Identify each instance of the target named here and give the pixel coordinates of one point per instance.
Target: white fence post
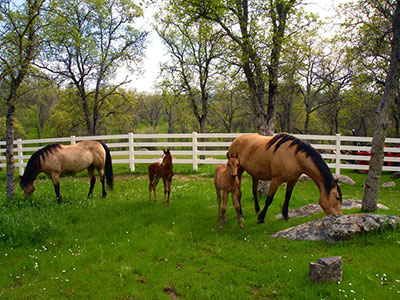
(194, 149)
(131, 152)
(73, 140)
(20, 157)
(337, 159)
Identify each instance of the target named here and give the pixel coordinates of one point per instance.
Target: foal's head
(233, 164)
(167, 158)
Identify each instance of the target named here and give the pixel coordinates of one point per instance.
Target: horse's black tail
(108, 168)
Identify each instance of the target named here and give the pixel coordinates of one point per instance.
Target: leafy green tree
(88, 42)
(19, 45)
(253, 27)
(194, 48)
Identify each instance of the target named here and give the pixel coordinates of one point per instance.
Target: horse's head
(331, 203)
(27, 186)
(233, 164)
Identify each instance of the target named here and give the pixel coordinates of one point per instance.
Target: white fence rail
(341, 152)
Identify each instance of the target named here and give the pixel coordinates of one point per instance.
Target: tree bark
(371, 190)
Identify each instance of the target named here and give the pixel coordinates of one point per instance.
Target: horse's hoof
(260, 221)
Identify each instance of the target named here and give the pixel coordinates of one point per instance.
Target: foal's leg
(165, 182)
(92, 180)
(222, 219)
(168, 188)
(289, 189)
(255, 194)
(56, 182)
(237, 207)
(218, 191)
(271, 193)
(154, 187)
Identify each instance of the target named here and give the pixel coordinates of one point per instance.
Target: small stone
(395, 175)
(345, 179)
(328, 269)
(389, 184)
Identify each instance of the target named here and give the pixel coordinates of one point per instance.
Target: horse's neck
(314, 173)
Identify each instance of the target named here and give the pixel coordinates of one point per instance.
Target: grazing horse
(226, 179)
(161, 170)
(283, 158)
(57, 159)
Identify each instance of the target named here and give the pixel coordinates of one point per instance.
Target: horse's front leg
(255, 194)
(285, 207)
(56, 182)
(271, 193)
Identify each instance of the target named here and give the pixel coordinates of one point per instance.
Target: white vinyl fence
(341, 152)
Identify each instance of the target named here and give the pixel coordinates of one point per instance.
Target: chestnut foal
(226, 179)
(161, 170)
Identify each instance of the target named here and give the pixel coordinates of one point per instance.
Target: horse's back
(263, 162)
(77, 157)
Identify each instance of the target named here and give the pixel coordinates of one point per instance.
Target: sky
(156, 52)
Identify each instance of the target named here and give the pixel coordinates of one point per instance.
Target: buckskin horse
(227, 181)
(283, 158)
(57, 159)
(162, 170)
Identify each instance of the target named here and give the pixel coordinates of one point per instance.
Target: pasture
(125, 247)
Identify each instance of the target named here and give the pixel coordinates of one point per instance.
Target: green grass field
(124, 247)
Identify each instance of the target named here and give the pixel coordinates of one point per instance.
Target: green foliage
(140, 249)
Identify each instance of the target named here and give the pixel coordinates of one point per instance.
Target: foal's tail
(108, 168)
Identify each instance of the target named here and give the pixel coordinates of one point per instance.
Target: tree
(88, 42)
(390, 10)
(244, 23)
(19, 46)
(194, 48)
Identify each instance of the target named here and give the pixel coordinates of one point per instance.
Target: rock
(315, 208)
(395, 175)
(263, 187)
(328, 269)
(389, 184)
(304, 178)
(344, 179)
(334, 228)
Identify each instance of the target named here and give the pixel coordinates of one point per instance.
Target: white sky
(156, 53)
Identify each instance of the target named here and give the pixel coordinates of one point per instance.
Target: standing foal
(226, 179)
(161, 170)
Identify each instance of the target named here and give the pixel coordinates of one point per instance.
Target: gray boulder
(334, 228)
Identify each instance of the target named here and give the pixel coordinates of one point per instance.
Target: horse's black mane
(33, 166)
(309, 151)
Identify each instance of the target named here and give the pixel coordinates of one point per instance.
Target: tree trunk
(371, 190)
(10, 185)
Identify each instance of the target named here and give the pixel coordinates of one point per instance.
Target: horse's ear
(227, 155)
(165, 152)
(335, 182)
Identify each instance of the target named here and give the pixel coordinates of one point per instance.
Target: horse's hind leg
(92, 180)
(271, 193)
(102, 180)
(285, 207)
